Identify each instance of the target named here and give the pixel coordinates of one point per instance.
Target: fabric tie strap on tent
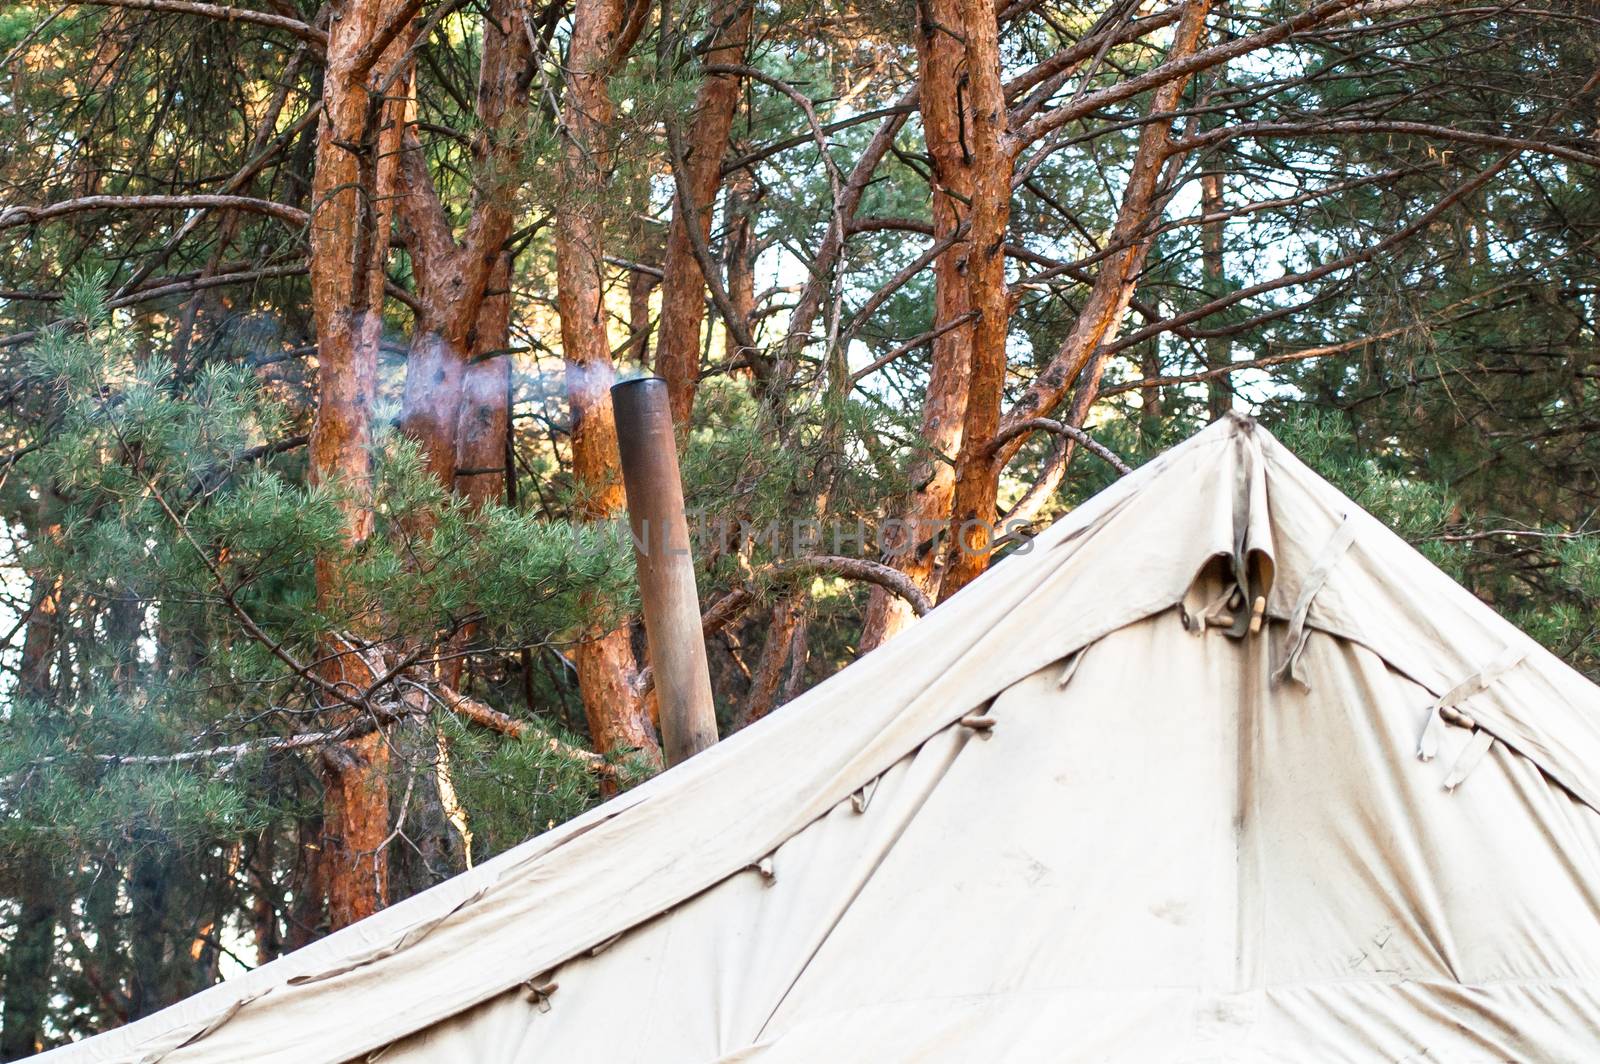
(157, 1050)
(1442, 710)
(1477, 747)
(1069, 667)
(410, 937)
(1294, 643)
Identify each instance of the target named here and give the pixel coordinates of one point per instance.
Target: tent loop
(540, 989)
(1294, 643)
(157, 1049)
(405, 940)
(1238, 602)
(861, 797)
(1217, 613)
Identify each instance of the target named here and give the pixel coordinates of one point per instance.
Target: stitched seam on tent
(866, 880)
(407, 938)
(1387, 984)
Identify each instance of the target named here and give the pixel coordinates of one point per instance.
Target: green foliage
(170, 505)
(1380, 483)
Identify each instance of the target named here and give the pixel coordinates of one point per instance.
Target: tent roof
(1350, 608)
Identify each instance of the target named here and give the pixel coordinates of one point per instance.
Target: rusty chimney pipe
(666, 567)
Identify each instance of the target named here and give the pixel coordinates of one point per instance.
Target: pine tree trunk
(973, 505)
(486, 395)
(947, 130)
(605, 663)
(147, 934)
(739, 260)
(457, 387)
(683, 285)
(1219, 389)
(767, 679)
(358, 143)
(482, 459)
(306, 915)
(454, 277)
(1213, 195)
(978, 470)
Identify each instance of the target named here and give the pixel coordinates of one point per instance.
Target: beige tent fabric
(1172, 857)
(1169, 859)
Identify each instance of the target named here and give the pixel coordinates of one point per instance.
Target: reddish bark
(456, 409)
(994, 153)
(357, 154)
(947, 130)
(978, 470)
(605, 664)
(683, 284)
(640, 284)
(739, 256)
(1103, 311)
(483, 454)
(767, 678)
(485, 415)
(453, 278)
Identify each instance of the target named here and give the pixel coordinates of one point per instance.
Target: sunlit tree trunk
(605, 663)
(482, 461)
(947, 131)
(455, 276)
(978, 470)
(683, 285)
(973, 505)
(483, 456)
(358, 144)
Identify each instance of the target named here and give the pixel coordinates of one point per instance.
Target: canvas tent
(1177, 840)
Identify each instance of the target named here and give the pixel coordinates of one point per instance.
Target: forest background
(310, 588)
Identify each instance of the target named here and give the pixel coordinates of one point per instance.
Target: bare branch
(1372, 128)
(911, 345)
(1091, 102)
(12, 217)
(486, 716)
(221, 11)
(861, 569)
(1089, 443)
